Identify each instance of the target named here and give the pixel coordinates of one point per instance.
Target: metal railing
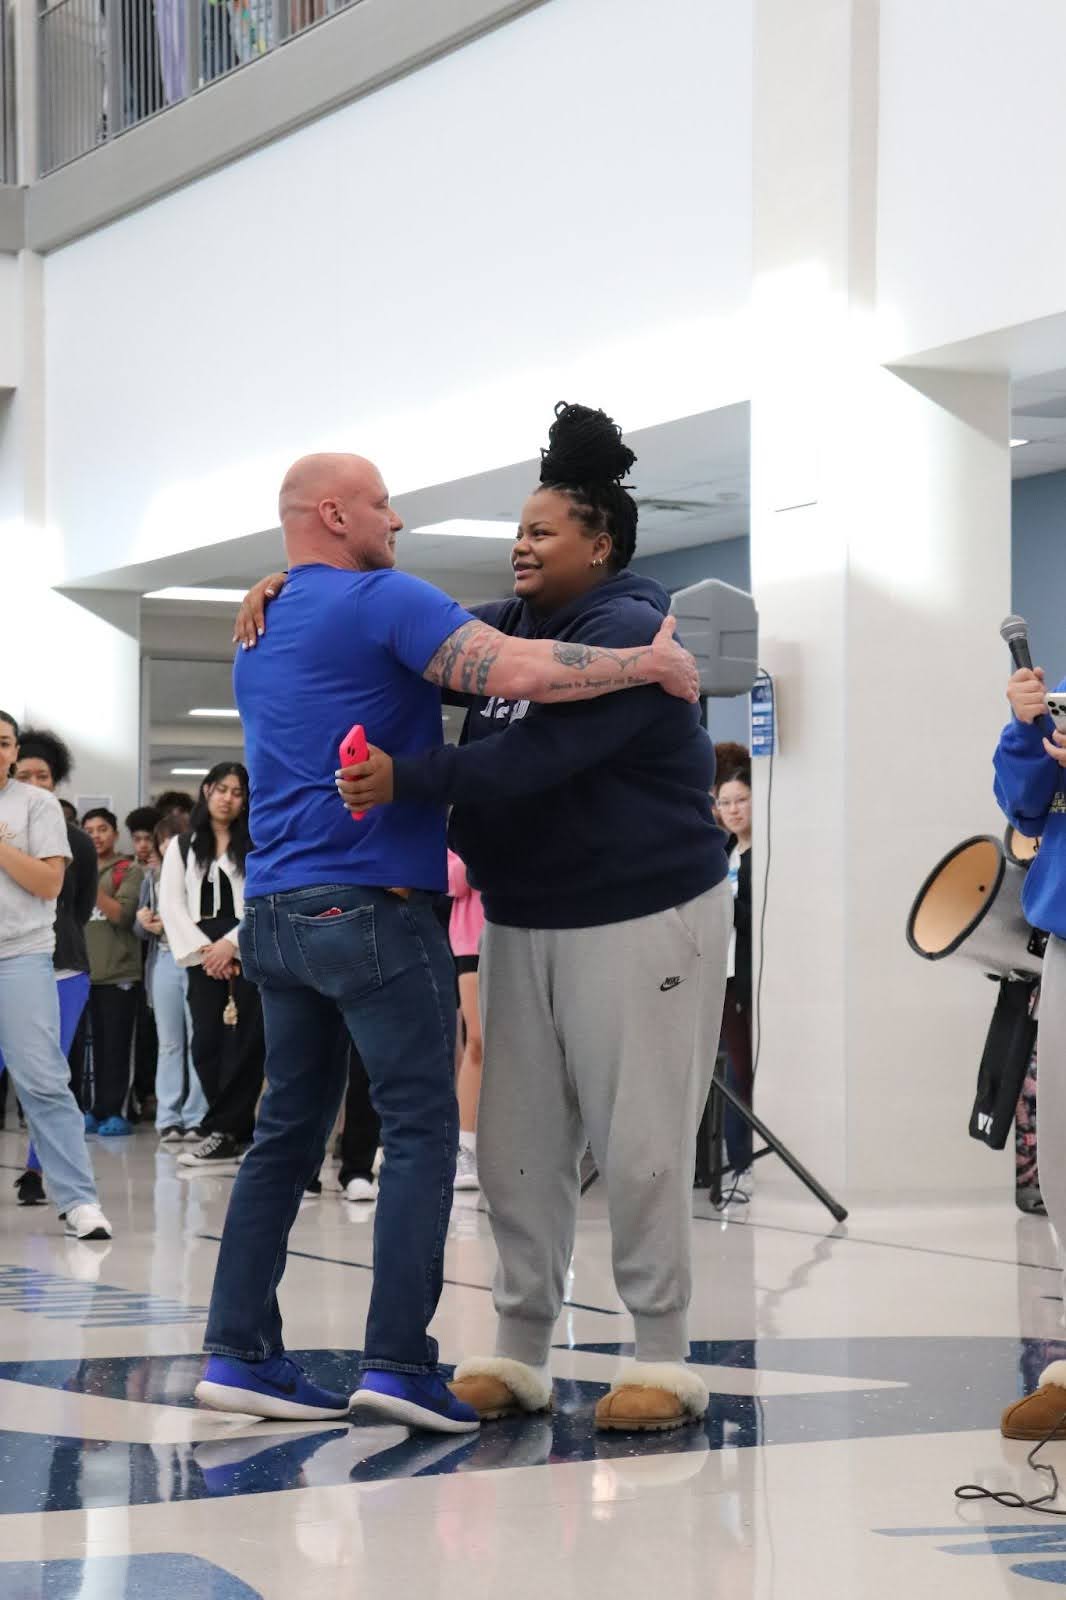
(8, 130)
(104, 66)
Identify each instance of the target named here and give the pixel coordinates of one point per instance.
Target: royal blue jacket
(1031, 790)
(579, 815)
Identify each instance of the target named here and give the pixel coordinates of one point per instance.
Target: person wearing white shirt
(201, 904)
(34, 852)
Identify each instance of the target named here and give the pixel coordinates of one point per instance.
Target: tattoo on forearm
(442, 666)
(562, 685)
(465, 659)
(582, 656)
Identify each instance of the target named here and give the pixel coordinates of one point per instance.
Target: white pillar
(880, 563)
(65, 665)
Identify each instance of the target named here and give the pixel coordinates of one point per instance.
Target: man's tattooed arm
(478, 660)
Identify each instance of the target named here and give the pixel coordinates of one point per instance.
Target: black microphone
(1014, 631)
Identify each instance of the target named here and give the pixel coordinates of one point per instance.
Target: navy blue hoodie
(573, 816)
(1031, 791)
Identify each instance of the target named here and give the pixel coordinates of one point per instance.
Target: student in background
(176, 803)
(33, 858)
(733, 800)
(115, 969)
(140, 825)
(465, 928)
(45, 761)
(181, 1102)
(201, 902)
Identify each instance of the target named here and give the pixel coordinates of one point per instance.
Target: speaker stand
(721, 1093)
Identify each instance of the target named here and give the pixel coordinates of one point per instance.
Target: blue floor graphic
(944, 1385)
(154, 1577)
(1010, 1539)
(91, 1305)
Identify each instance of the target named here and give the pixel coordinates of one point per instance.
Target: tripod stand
(721, 1094)
(715, 1122)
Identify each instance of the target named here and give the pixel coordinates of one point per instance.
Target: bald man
(339, 918)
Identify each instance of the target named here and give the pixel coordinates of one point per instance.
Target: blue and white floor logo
(878, 1388)
(162, 1577)
(90, 1304)
(1033, 1545)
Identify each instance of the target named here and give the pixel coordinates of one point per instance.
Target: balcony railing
(104, 66)
(8, 132)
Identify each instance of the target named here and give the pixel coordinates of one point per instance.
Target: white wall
(62, 665)
(559, 210)
(971, 226)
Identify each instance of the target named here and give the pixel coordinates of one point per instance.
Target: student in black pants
(115, 968)
(734, 812)
(201, 902)
(362, 1131)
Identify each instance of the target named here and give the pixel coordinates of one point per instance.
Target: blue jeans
(384, 964)
(178, 1107)
(30, 1043)
(73, 994)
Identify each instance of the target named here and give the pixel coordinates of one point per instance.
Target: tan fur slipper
(1035, 1415)
(651, 1398)
(498, 1387)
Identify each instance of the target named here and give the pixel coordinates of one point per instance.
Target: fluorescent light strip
(468, 528)
(213, 711)
(189, 772)
(1016, 444)
(218, 597)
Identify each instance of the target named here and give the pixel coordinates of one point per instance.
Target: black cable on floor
(1015, 1502)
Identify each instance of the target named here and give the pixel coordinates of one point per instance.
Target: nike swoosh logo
(670, 983)
(282, 1388)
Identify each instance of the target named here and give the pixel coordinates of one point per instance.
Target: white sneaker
(87, 1221)
(360, 1189)
(466, 1169)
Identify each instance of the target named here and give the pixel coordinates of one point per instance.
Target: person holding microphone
(1030, 768)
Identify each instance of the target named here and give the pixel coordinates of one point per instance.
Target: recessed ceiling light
(213, 711)
(468, 528)
(189, 772)
(1015, 444)
(220, 597)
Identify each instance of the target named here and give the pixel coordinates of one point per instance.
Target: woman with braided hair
(588, 830)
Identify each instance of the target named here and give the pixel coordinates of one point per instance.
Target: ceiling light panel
(467, 528)
(216, 597)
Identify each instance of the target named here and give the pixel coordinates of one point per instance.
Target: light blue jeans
(29, 1039)
(177, 1108)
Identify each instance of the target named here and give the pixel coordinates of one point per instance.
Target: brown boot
(651, 1398)
(498, 1387)
(1042, 1414)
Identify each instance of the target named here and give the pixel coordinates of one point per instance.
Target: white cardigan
(180, 883)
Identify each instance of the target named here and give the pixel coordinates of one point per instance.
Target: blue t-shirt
(340, 648)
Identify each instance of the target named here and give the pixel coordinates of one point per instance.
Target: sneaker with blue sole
(418, 1400)
(275, 1388)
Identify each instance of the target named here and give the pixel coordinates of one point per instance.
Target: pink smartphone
(354, 751)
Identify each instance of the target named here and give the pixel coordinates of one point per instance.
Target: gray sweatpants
(607, 1035)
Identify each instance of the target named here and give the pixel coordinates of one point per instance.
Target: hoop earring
(601, 562)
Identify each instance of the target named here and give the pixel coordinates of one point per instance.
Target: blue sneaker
(91, 1124)
(114, 1128)
(417, 1400)
(275, 1388)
